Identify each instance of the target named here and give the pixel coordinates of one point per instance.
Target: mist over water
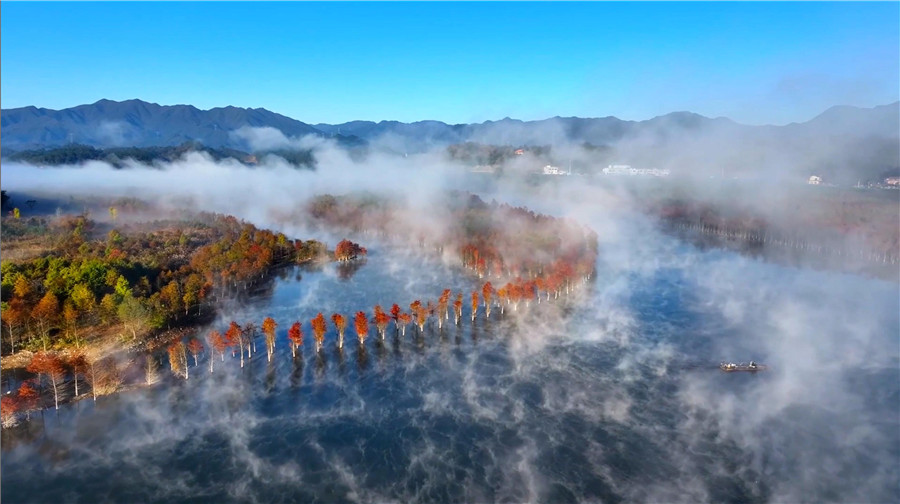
(612, 394)
(619, 400)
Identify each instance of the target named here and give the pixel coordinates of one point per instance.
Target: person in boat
(752, 365)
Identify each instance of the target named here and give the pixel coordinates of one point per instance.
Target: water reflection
(270, 377)
(297, 370)
(362, 358)
(320, 365)
(346, 269)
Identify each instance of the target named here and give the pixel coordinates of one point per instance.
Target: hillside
(137, 123)
(843, 144)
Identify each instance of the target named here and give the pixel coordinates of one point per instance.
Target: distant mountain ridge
(108, 123)
(136, 123)
(844, 141)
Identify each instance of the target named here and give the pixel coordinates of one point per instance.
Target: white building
(815, 180)
(554, 170)
(628, 170)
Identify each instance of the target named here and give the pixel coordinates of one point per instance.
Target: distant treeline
(118, 156)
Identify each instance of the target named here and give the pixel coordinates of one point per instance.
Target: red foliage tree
(382, 320)
(403, 320)
(295, 336)
(443, 304)
(319, 327)
(361, 323)
(268, 327)
(195, 347)
(503, 296)
(218, 344)
(50, 366)
(234, 336)
(487, 290)
(178, 359)
(9, 410)
(14, 315)
(340, 323)
(28, 396)
(457, 307)
(46, 313)
(421, 316)
(346, 250)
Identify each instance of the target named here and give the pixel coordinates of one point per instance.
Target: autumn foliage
(268, 328)
(50, 367)
(340, 323)
(347, 250)
(319, 327)
(361, 324)
(381, 320)
(295, 336)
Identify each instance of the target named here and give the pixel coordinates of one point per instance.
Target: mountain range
(842, 134)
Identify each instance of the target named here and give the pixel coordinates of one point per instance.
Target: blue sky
(757, 63)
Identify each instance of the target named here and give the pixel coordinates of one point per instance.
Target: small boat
(729, 367)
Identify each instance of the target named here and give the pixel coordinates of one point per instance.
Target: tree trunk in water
(93, 382)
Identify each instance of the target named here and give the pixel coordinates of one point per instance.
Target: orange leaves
(269, 325)
(9, 407)
(319, 327)
(421, 314)
(234, 334)
(403, 320)
(195, 347)
(346, 250)
(382, 320)
(47, 364)
(217, 342)
(443, 303)
(361, 323)
(28, 396)
(178, 359)
(486, 291)
(340, 323)
(47, 308)
(295, 336)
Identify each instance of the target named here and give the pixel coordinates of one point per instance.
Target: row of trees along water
(72, 373)
(144, 280)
